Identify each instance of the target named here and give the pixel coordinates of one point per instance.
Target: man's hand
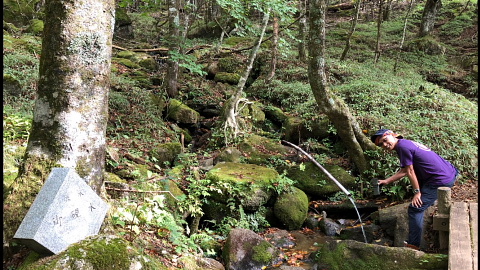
(417, 201)
(382, 182)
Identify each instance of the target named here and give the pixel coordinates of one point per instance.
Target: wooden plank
(460, 248)
(474, 232)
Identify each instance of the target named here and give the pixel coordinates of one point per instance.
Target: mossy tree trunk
(429, 16)
(71, 109)
(335, 108)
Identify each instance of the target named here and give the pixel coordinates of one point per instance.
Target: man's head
(385, 138)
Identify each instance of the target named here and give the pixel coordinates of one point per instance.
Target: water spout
(349, 195)
(321, 167)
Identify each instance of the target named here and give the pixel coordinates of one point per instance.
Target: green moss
(242, 173)
(258, 149)
(360, 256)
(126, 62)
(182, 113)
(166, 152)
(225, 77)
(291, 208)
(315, 182)
(36, 26)
(24, 189)
(261, 252)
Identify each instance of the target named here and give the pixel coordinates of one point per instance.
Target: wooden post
(441, 219)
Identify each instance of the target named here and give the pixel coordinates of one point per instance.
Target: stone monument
(65, 211)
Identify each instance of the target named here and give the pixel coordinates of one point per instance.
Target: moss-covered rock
(126, 55)
(230, 65)
(244, 249)
(100, 252)
(275, 114)
(21, 195)
(258, 149)
(36, 27)
(316, 183)
(354, 255)
(126, 62)
(182, 113)
(190, 262)
(229, 154)
(166, 152)
(296, 128)
(248, 183)
(291, 208)
(427, 45)
(225, 77)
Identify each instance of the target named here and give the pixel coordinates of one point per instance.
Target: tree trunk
(231, 126)
(379, 32)
(335, 108)
(174, 41)
(403, 36)
(428, 17)
(352, 30)
(71, 108)
(273, 61)
(302, 29)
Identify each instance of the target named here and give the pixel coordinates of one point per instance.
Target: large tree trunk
(335, 108)
(429, 16)
(71, 109)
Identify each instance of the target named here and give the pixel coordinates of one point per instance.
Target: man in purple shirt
(426, 170)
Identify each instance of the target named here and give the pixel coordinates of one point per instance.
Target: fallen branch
(142, 191)
(141, 50)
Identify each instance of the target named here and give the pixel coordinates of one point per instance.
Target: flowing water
(359, 218)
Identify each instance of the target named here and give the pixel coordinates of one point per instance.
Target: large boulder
(245, 250)
(257, 149)
(123, 24)
(291, 209)
(394, 222)
(316, 183)
(98, 252)
(182, 113)
(249, 184)
(165, 152)
(354, 255)
(296, 128)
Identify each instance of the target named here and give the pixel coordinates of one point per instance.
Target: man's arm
(416, 201)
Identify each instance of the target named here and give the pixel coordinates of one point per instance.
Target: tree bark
(403, 36)
(429, 16)
(71, 108)
(379, 30)
(231, 126)
(273, 61)
(174, 41)
(335, 108)
(302, 29)
(352, 30)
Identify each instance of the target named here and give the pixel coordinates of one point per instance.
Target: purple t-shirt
(428, 166)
